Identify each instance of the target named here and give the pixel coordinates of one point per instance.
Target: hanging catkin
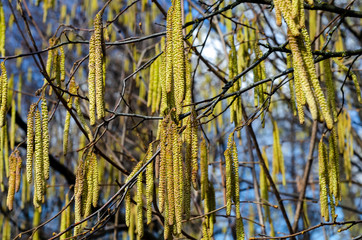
(285, 8)
(323, 179)
(91, 82)
(99, 58)
(30, 143)
(78, 189)
(4, 94)
(45, 138)
(139, 202)
(39, 172)
(149, 184)
(178, 60)
(12, 180)
(2, 30)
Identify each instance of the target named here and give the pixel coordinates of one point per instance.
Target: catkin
(91, 81)
(228, 170)
(236, 194)
(128, 208)
(2, 30)
(149, 184)
(285, 8)
(169, 50)
(331, 88)
(170, 180)
(178, 60)
(17, 170)
(12, 180)
(98, 41)
(62, 64)
(163, 165)
(139, 201)
(45, 138)
(78, 189)
(39, 172)
(30, 143)
(323, 179)
(4, 94)
(204, 169)
(194, 149)
(95, 180)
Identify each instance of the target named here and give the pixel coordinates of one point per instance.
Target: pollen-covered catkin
(228, 170)
(91, 82)
(139, 201)
(2, 30)
(149, 184)
(45, 138)
(95, 180)
(39, 173)
(323, 179)
(30, 143)
(12, 176)
(98, 41)
(18, 170)
(4, 94)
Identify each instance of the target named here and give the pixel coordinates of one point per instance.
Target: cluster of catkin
(306, 85)
(86, 189)
(38, 147)
(96, 75)
(55, 65)
(14, 177)
(232, 184)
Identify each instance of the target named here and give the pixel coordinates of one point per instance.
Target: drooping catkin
(169, 51)
(2, 30)
(334, 178)
(235, 159)
(78, 189)
(278, 159)
(228, 170)
(178, 60)
(4, 94)
(323, 179)
(285, 8)
(12, 181)
(170, 180)
(39, 172)
(99, 58)
(331, 88)
(302, 75)
(194, 149)
(187, 179)
(128, 208)
(139, 201)
(204, 168)
(163, 165)
(12, 124)
(45, 138)
(95, 180)
(17, 170)
(30, 143)
(309, 64)
(62, 64)
(149, 184)
(91, 81)
(66, 133)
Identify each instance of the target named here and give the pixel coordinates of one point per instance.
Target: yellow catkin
(149, 184)
(292, 91)
(331, 88)
(204, 168)
(36, 222)
(91, 81)
(30, 143)
(169, 51)
(4, 94)
(62, 64)
(170, 179)
(95, 180)
(78, 189)
(302, 76)
(66, 133)
(240, 234)
(18, 170)
(236, 194)
(278, 16)
(81, 118)
(178, 60)
(65, 219)
(12, 181)
(163, 165)
(13, 124)
(39, 173)
(278, 159)
(2, 30)
(45, 138)
(285, 8)
(98, 41)
(309, 63)
(295, 8)
(128, 208)
(87, 194)
(139, 201)
(187, 179)
(323, 179)
(334, 177)
(228, 170)
(194, 149)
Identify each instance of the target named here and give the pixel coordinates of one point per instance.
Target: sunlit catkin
(91, 82)
(18, 170)
(95, 180)
(169, 51)
(139, 205)
(30, 143)
(2, 30)
(149, 184)
(39, 173)
(309, 63)
(12, 179)
(228, 170)
(323, 179)
(194, 149)
(204, 169)
(98, 41)
(4, 94)
(285, 7)
(78, 189)
(45, 138)
(163, 165)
